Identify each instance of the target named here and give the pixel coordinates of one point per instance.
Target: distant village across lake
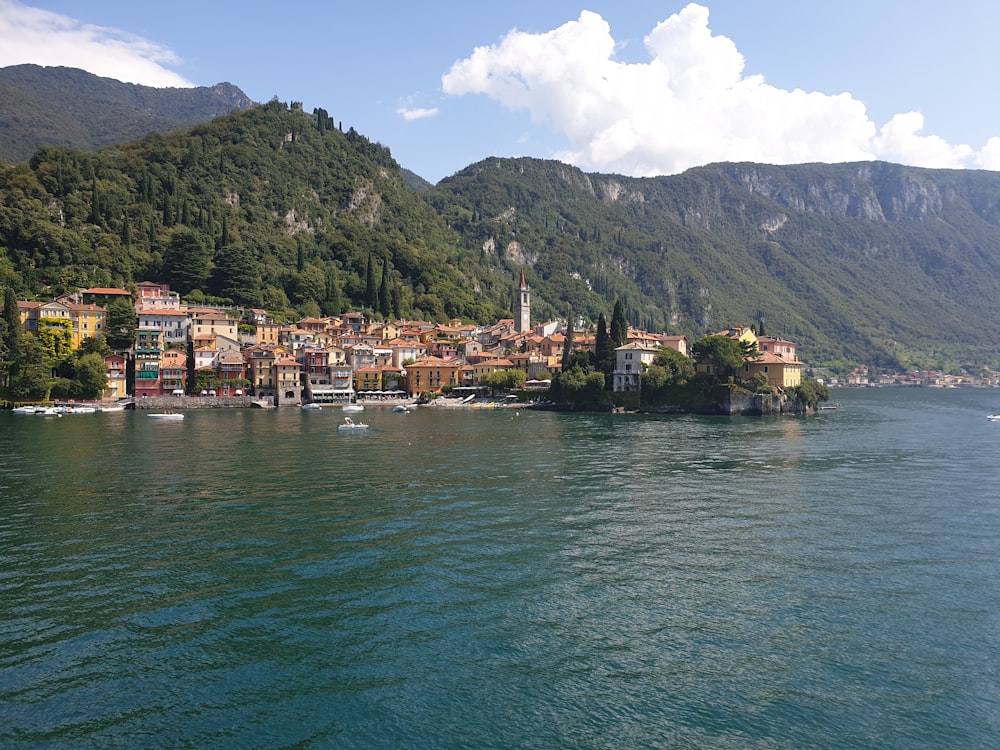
(182, 349)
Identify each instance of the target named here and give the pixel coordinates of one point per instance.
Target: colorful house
(430, 375)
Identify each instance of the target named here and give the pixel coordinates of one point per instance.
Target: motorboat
(166, 416)
(350, 424)
(311, 406)
(24, 410)
(111, 407)
(352, 403)
(47, 411)
(400, 408)
(994, 417)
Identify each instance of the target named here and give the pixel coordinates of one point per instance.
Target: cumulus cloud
(32, 35)
(416, 113)
(691, 104)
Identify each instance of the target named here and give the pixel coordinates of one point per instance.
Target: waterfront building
(629, 360)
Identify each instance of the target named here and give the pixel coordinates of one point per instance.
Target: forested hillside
(278, 208)
(269, 207)
(870, 262)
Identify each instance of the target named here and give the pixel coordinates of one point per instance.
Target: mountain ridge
(61, 106)
(868, 262)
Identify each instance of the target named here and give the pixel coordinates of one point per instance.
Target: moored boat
(350, 424)
(166, 416)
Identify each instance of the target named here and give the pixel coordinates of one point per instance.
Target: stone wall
(176, 403)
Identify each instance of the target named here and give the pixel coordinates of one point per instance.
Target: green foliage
(567, 358)
(810, 393)
(669, 368)
(55, 337)
(90, 376)
(504, 380)
(186, 260)
(30, 373)
(721, 353)
(619, 325)
(579, 388)
(120, 322)
(235, 210)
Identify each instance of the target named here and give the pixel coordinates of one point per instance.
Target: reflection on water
(461, 579)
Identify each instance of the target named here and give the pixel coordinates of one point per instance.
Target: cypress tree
(567, 359)
(331, 302)
(619, 325)
(371, 299)
(604, 349)
(384, 300)
(224, 238)
(95, 203)
(12, 318)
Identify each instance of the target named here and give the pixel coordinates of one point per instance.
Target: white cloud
(417, 113)
(689, 105)
(32, 35)
(899, 141)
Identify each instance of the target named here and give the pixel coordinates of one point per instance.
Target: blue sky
(636, 87)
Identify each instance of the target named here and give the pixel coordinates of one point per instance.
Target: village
(336, 359)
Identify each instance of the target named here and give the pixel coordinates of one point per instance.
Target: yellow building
(780, 371)
(431, 374)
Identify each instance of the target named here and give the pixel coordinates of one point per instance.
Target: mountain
(873, 262)
(57, 106)
(266, 207)
(274, 207)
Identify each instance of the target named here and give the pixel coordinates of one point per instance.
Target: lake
(504, 579)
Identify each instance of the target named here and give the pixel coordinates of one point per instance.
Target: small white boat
(994, 417)
(111, 407)
(166, 416)
(25, 410)
(48, 411)
(350, 424)
(400, 408)
(352, 407)
(312, 406)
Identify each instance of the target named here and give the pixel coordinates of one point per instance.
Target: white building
(629, 359)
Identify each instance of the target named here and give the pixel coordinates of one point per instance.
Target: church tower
(522, 307)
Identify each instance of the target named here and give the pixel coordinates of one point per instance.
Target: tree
(11, 330)
(91, 377)
(677, 366)
(619, 325)
(237, 275)
(604, 348)
(186, 262)
(810, 392)
(31, 376)
(504, 380)
(120, 322)
(567, 358)
(371, 299)
(579, 388)
(721, 354)
(384, 297)
(331, 299)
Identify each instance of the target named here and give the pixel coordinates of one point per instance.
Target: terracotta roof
(106, 290)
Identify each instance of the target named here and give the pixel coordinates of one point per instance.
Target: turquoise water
(464, 579)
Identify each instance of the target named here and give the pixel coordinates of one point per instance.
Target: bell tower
(522, 307)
